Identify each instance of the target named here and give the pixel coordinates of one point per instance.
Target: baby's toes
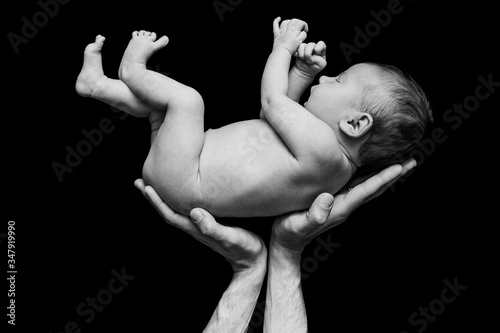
(162, 42)
(99, 39)
(152, 35)
(96, 46)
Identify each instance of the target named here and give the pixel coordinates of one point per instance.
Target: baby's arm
(287, 39)
(310, 60)
(302, 132)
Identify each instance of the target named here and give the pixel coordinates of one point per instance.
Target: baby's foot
(140, 48)
(91, 74)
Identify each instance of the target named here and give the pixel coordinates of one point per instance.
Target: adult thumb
(320, 209)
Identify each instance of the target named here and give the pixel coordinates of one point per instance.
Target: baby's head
(379, 113)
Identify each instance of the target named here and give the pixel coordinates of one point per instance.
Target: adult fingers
(209, 227)
(319, 211)
(172, 217)
(302, 226)
(139, 184)
(365, 191)
(408, 165)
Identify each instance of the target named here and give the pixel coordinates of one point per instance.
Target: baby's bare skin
(247, 170)
(243, 169)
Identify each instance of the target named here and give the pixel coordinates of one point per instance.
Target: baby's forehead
(367, 80)
(364, 71)
(366, 76)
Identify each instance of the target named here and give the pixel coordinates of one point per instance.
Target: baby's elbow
(261, 115)
(265, 104)
(271, 103)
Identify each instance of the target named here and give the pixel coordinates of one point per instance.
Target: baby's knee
(189, 98)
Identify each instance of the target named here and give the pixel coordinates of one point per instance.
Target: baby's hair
(402, 117)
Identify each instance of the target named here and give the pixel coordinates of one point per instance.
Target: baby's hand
(290, 34)
(311, 58)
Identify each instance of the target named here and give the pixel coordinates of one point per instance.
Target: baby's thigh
(173, 172)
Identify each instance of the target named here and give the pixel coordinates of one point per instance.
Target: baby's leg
(172, 163)
(93, 83)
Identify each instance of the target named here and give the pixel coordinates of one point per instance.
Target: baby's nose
(324, 79)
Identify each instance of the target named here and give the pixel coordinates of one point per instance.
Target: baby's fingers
(284, 25)
(309, 51)
(302, 36)
(299, 25)
(300, 51)
(276, 26)
(320, 48)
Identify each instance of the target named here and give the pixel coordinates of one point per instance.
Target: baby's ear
(357, 126)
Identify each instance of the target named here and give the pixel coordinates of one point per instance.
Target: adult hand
(243, 249)
(294, 231)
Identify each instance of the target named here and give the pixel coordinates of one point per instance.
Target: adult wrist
(251, 278)
(255, 271)
(289, 247)
(288, 252)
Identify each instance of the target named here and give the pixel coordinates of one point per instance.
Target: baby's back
(246, 170)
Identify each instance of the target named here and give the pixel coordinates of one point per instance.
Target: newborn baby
(366, 118)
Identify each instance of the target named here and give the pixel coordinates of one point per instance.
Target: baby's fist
(311, 58)
(290, 34)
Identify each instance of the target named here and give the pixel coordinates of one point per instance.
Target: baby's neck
(347, 154)
(350, 149)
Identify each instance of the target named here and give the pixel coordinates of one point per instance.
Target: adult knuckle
(207, 231)
(226, 245)
(294, 228)
(317, 217)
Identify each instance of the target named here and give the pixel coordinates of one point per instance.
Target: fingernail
(326, 201)
(196, 216)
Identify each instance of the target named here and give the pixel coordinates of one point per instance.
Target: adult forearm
(285, 308)
(237, 304)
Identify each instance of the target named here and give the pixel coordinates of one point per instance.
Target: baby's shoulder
(324, 159)
(324, 173)
(328, 151)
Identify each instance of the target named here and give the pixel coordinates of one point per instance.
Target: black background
(395, 251)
